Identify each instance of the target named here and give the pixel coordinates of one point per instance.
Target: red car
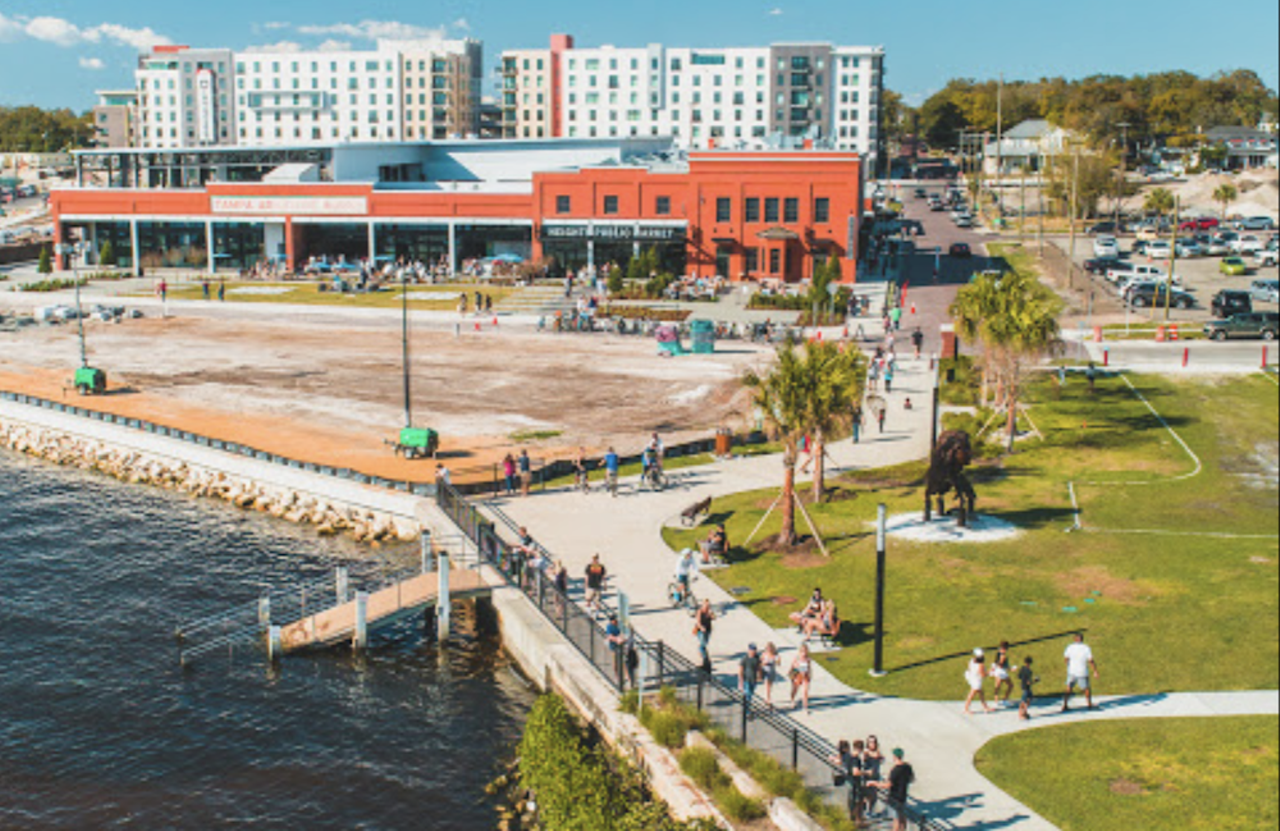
(960, 249)
(1203, 223)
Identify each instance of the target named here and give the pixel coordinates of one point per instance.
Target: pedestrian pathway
(940, 740)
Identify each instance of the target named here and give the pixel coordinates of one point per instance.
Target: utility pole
(999, 130)
(877, 669)
(1040, 193)
(1173, 258)
(1124, 154)
(1071, 220)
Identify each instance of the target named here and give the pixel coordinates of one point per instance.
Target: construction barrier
(1173, 331)
(1159, 334)
(1097, 334)
(1186, 356)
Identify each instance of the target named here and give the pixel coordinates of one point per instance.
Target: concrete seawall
(332, 505)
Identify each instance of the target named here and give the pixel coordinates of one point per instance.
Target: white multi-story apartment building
(726, 97)
(185, 97)
(402, 90)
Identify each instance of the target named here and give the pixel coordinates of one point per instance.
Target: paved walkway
(939, 739)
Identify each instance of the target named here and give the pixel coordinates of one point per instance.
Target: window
(610, 205)
(775, 260)
(563, 205)
(724, 209)
(822, 209)
(751, 260)
(771, 210)
(752, 209)
(791, 210)
(663, 206)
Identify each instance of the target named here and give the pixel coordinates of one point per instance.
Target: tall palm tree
(1015, 319)
(782, 396)
(838, 379)
(1159, 201)
(1224, 194)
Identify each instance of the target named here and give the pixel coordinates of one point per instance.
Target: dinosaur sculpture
(946, 473)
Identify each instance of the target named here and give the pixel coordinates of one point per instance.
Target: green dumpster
(703, 334)
(90, 381)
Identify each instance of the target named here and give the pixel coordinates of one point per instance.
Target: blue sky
(56, 52)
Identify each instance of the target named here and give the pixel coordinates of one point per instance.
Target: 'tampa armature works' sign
(288, 205)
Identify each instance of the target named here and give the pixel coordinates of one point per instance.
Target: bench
(828, 637)
(689, 516)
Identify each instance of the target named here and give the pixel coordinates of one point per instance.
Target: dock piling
(361, 639)
(443, 604)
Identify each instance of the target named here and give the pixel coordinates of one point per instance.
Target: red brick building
(756, 215)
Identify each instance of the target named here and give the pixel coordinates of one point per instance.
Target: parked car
(1159, 250)
(1268, 291)
(960, 249)
(1244, 325)
(1231, 301)
(1202, 223)
(964, 221)
(1233, 266)
(1157, 294)
(1124, 273)
(1256, 223)
(1107, 227)
(1147, 233)
(1246, 245)
(1106, 246)
(938, 206)
(1100, 265)
(1265, 257)
(1216, 246)
(1188, 248)
(921, 193)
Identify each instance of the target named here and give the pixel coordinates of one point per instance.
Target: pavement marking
(1199, 464)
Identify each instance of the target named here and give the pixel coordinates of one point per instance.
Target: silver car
(1267, 291)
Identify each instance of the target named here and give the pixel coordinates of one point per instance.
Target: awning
(777, 234)
(724, 240)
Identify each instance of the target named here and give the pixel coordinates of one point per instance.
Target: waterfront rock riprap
(330, 518)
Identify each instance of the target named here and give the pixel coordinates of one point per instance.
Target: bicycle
(654, 478)
(581, 481)
(680, 597)
(611, 482)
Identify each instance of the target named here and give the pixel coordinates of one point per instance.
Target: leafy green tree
(107, 254)
(1014, 318)
(45, 264)
(839, 378)
(1224, 194)
(33, 130)
(1159, 201)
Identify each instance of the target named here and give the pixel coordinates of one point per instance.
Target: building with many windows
(114, 118)
(703, 98)
(400, 90)
(566, 203)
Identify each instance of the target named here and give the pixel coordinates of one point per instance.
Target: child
(1027, 678)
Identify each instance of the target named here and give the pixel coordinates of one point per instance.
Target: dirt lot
(329, 393)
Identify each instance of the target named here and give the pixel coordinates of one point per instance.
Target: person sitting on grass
(715, 546)
(811, 610)
(826, 623)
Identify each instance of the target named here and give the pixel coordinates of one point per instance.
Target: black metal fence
(234, 448)
(779, 736)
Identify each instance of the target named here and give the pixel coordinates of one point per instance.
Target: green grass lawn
(308, 293)
(1216, 774)
(1162, 611)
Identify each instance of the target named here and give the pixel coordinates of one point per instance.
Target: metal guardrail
(234, 448)
(779, 736)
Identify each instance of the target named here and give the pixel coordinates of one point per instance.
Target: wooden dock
(338, 623)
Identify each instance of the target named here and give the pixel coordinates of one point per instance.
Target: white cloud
(276, 24)
(376, 29)
(462, 24)
(332, 45)
(92, 63)
(775, 12)
(62, 32)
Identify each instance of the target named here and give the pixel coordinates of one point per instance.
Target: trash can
(724, 443)
(703, 335)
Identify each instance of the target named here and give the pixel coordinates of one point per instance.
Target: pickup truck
(1264, 257)
(1123, 272)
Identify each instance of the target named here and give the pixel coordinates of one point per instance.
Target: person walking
(976, 676)
(847, 761)
(872, 763)
(1079, 660)
(702, 623)
(901, 777)
(509, 473)
(611, 465)
(222, 291)
(880, 416)
(1027, 678)
(613, 636)
(801, 674)
(749, 673)
(857, 423)
(1000, 672)
(597, 575)
(204, 288)
(917, 341)
(769, 671)
(888, 377)
(525, 466)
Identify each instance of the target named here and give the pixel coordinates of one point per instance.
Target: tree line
(1168, 107)
(31, 129)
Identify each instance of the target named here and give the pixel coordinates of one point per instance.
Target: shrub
(45, 266)
(701, 765)
(107, 254)
(630, 702)
(668, 729)
(738, 806)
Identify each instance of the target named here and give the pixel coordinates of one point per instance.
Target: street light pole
(877, 670)
(1173, 257)
(1071, 220)
(1124, 154)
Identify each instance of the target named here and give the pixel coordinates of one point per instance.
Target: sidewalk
(939, 739)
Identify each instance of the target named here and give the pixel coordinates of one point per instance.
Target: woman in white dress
(976, 675)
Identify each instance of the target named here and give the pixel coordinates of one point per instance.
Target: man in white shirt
(686, 570)
(1079, 659)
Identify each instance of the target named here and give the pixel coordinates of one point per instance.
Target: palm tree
(1225, 194)
(1015, 319)
(838, 379)
(783, 397)
(1159, 201)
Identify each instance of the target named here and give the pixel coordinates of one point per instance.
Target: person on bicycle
(647, 462)
(611, 465)
(686, 570)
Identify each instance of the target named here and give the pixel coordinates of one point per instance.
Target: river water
(101, 728)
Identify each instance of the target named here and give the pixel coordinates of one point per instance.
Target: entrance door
(723, 253)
